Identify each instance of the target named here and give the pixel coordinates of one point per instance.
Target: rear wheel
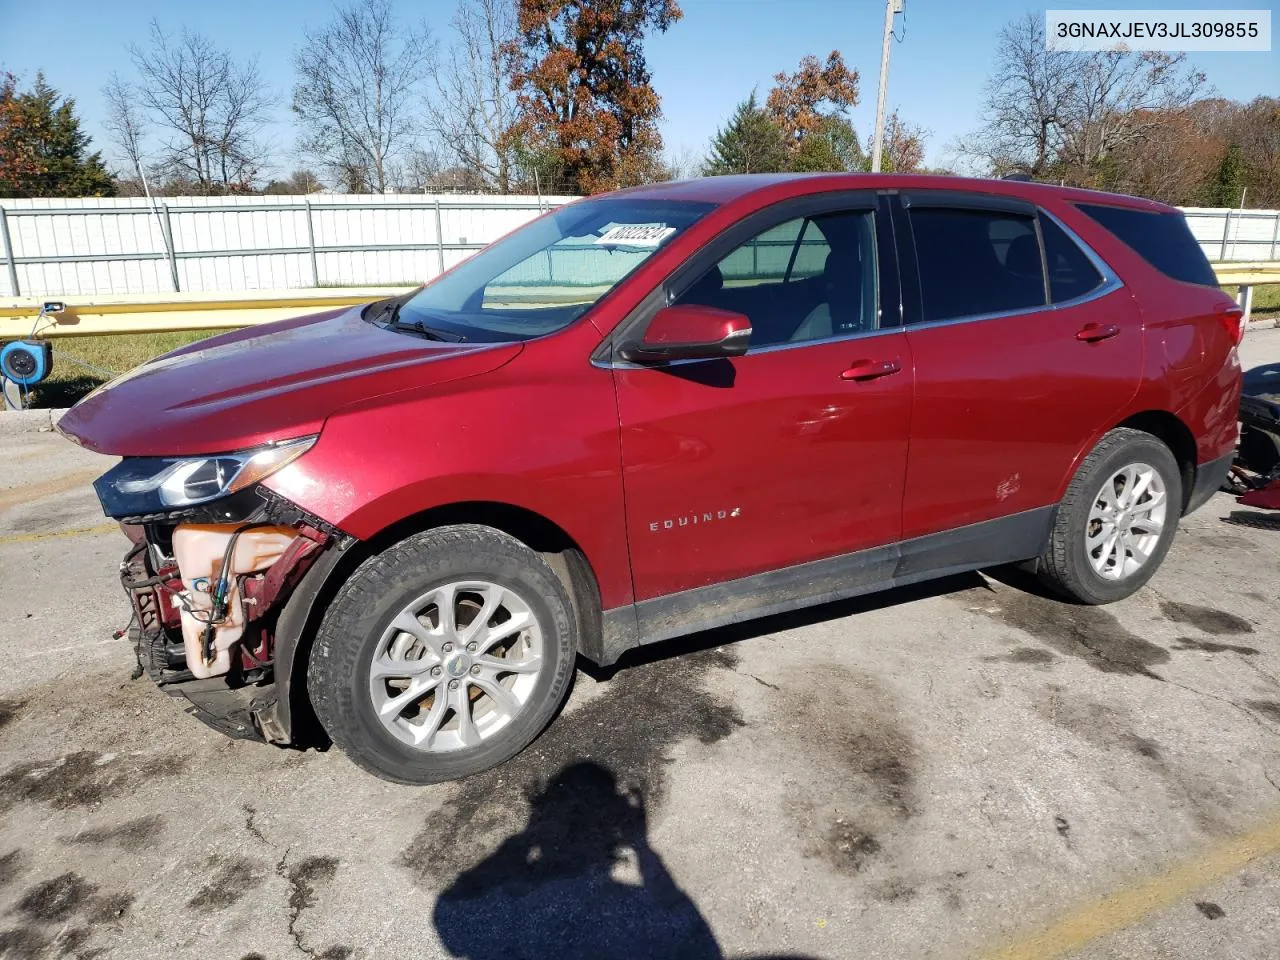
(444, 655)
(1117, 520)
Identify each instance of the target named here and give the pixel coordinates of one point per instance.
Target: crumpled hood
(265, 383)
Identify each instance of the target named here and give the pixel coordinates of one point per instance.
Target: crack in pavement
(302, 880)
(250, 825)
(763, 683)
(1231, 703)
(1267, 773)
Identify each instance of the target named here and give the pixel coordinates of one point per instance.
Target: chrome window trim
(1110, 283)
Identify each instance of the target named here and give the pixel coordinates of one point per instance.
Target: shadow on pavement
(1255, 519)
(579, 881)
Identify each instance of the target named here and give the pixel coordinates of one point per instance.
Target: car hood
(263, 384)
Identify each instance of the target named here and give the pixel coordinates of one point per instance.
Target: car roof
(720, 190)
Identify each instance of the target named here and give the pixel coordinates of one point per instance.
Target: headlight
(143, 485)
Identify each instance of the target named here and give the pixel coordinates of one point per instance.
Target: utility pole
(890, 8)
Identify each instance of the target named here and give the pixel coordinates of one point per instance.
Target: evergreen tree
(1228, 182)
(44, 152)
(749, 143)
(832, 147)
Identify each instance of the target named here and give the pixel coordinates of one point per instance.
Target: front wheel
(444, 655)
(1117, 520)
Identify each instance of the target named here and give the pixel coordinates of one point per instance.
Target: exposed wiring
(218, 612)
(109, 374)
(904, 26)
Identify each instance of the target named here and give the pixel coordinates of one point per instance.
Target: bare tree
(298, 183)
(472, 106)
(1025, 102)
(125, 124)
(1119, 99)
(1064, 114)
(213, 108)
(356, 91)
(685, 163)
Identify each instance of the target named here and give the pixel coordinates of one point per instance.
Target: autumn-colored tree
(903, 148)
(17, 154)
(584, 100)
(802, 103)
(43, 152)
(1255, 128)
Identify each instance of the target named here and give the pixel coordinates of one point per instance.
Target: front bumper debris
(242, 701)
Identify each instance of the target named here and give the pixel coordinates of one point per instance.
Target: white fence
(110, 246)
(116, 245)
(1239, 235)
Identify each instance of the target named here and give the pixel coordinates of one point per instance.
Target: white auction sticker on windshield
(649, 235)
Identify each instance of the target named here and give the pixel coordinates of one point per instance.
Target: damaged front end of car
(215, 558)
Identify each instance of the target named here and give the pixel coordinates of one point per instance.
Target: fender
(298, 619)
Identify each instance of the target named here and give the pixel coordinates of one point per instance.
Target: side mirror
(692, 332)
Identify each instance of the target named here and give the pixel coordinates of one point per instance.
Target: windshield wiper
(388, 317)
(418, 326)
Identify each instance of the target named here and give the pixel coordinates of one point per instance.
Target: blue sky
(702, 67)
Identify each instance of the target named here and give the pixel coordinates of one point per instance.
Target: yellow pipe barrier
(95, 315)
(1247, 274)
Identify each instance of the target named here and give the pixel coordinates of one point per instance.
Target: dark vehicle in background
(650, 413)
(1255, 476)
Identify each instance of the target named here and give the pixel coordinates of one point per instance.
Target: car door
(1017, 367)
(794, 451)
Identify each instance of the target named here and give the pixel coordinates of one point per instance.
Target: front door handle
(1093, 332)
(871, 369)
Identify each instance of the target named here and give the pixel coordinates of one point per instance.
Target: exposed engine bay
(206, 600)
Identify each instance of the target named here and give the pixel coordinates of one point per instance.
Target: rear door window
(1162, 239)
(975, 262)
(1071, 272)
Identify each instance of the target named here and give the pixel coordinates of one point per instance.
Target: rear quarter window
(1162, 239)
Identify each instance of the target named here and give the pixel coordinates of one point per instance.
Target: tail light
(1232, 317)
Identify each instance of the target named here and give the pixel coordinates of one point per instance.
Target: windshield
(547, 274)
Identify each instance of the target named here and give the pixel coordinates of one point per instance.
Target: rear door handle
(1093, 332)
(871, 369)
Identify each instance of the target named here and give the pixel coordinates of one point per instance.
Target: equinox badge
(691, 519)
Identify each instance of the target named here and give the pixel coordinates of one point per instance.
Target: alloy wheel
(456, 665)
(1125, 521)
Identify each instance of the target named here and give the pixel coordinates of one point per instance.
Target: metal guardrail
(1246, 276)
(147, 313)
(144, 313)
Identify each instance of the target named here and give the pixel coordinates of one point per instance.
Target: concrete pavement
(963, 769)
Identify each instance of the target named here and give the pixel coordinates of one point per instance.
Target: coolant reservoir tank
(199, 550)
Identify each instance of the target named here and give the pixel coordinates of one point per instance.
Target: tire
(1068, 565)
(463, 568)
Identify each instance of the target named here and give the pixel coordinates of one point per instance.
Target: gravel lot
(964, 769)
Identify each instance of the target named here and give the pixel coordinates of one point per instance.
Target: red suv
(650, 413)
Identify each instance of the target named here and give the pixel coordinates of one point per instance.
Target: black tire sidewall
(1089, 585)
(364, 609)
